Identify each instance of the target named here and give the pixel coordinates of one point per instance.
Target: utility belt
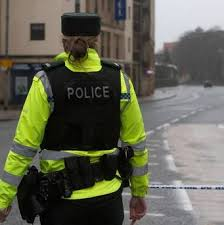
(37, 190)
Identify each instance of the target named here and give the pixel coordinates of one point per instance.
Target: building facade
(143, 46)
(30, 33)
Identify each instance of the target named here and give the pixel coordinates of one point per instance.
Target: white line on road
(148, 214)
(156, 197)
(170, 163)
(129, 194)
(182, 197)
(193, 112)
(184, 116)
(153, 164)
(175, 120)
(195, 96)
(155, 182)
(148, 133)
(155, 141)
(147, 196)
(165, 125)
(159, 127)
(221, 126)
(154, 145)
(153, 155)
(166, 145)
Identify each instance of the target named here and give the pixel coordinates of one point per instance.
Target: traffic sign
(120, 9)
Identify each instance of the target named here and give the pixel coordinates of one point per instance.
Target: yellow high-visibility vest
(30, 129)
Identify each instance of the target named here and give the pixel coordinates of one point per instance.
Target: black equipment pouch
(29, 204)
(109, 164)
(124, 167)
(53, 187)
(79, 171)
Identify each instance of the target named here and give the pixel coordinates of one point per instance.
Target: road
(185, 138)
(184, 135)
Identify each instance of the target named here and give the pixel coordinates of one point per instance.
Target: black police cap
(80, 24)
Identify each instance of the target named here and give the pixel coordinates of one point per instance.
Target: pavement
(159, 94)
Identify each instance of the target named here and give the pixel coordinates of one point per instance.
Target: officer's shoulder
(111, 64)
(52, 66)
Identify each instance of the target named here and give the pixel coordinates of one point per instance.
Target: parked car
(207, 83)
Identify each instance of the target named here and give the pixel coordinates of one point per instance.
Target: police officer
(80, 108)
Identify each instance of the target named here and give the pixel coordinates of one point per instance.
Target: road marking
(155, 182)
(175, 120)
(147, 196)
(183, 197)
(129, 194)
(156, 197)
(200, 110)
(148, 133)
(154, 145)
(153, 156)
(193, 112)
(153, 164)
(221, 126)
(165, 125)
(196, 96)
(159, 127)
(148, 214)
(184, 116)
(170, 163)
(166, 145)
(155, 141)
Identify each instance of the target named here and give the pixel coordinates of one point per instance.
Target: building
(143, 46)
(30, 34)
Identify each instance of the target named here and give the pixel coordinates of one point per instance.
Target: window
(110, 6)
(87, 5)
(108, 44)
(96, 6)
(102, 44)
(129, 44)
(77, 5)
(116, 36)
(102, 4)
(129, 12)
(37, 31)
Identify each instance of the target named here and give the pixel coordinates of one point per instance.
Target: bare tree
(201, 54)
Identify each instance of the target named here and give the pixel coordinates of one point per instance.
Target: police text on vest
(88, 92)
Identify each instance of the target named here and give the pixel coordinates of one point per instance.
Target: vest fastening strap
(58, 155)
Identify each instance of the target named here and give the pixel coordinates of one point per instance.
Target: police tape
(187, 187)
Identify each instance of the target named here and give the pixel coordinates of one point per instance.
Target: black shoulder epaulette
(111, 64)
(50, 66)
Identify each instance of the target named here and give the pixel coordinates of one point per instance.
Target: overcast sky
(174, 17)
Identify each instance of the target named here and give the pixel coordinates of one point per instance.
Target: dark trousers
(103, 210)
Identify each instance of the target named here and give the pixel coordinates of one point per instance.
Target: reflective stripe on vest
(140, 171)
(23, 150)
(11, 179)
(47, 87)
(136, 147)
